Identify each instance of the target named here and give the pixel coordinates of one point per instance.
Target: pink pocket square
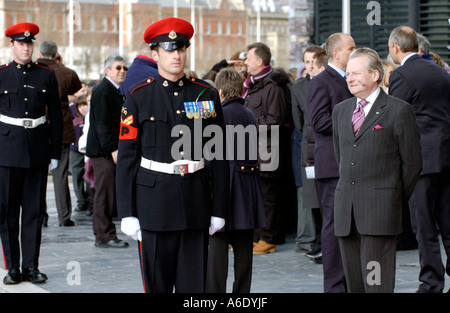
(377, 127)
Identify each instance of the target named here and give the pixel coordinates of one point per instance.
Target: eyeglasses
(119, 68)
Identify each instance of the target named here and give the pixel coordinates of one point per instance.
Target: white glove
(130, 226)
(216, 224)
(53, 164)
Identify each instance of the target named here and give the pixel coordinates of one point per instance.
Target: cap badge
(26, 33)
(172, 35)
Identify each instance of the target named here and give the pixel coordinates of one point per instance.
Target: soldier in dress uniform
(31, 130)
(169, 194)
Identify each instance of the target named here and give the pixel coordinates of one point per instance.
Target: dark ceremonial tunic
(27, 91)
(170, 202)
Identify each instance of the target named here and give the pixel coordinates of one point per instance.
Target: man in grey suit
(377, 147)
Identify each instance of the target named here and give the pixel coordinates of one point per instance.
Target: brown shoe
(263, 247)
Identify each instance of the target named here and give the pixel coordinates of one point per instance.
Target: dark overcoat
(246, 202)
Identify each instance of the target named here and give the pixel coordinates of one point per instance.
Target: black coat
(104, 120)
(153, 117)
(246, 202)
(29, 91)
(430, 98)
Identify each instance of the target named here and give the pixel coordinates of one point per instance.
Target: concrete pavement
(74, 265)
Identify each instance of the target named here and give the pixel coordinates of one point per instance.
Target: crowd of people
(353, 155)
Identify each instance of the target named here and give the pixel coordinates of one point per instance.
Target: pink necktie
(358, 116)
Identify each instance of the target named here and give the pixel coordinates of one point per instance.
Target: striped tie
(358, 116)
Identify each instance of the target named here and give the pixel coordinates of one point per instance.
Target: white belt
(23, 122)
(178, 167)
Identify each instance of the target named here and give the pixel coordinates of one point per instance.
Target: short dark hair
(261, 50)
(231, 83)
(320, 54)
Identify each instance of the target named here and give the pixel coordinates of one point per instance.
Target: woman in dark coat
(246, 211)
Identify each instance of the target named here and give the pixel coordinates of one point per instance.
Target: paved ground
(74, 265)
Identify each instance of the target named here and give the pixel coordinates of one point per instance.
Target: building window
(92, 24)
(13, 19)
(208, 28)
(138, 24)
(219, 28)
(114, 25)
(228, 29)
(55, 23)
(105, 25)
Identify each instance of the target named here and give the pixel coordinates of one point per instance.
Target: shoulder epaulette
(3, 66)
(201, 83)
(141, 84)
(43, 65)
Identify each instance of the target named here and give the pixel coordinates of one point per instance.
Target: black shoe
(81, 208)
(318, 259)
(12, 278)
(316, 249)
(33, 275)
(315, 257)
(67, 223)
(115, 243)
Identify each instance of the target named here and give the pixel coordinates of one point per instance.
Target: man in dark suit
(102, 145)
(377, 147)
(325, 91)
(427, 88)
(307, 240)
(31, 131)
(167, 197)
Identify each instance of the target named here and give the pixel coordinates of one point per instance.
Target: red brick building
(97, 29)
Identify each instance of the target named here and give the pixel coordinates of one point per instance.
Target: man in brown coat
(68, 83)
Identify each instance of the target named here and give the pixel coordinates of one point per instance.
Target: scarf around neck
(253, 79)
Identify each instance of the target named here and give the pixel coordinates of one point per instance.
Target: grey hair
(49, 49)
(374, 62)
(424, 43)
(405, 37)
(113, 58)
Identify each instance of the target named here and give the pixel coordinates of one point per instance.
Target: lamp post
(193, 38)
(175, 8)
(346, 19)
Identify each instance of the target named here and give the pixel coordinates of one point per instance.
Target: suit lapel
(348, 114)
(374, 114)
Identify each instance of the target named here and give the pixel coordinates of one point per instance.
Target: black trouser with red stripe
(22, 195)
(174, 261)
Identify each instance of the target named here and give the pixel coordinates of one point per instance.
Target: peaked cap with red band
(170, 33)
(22, 32)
